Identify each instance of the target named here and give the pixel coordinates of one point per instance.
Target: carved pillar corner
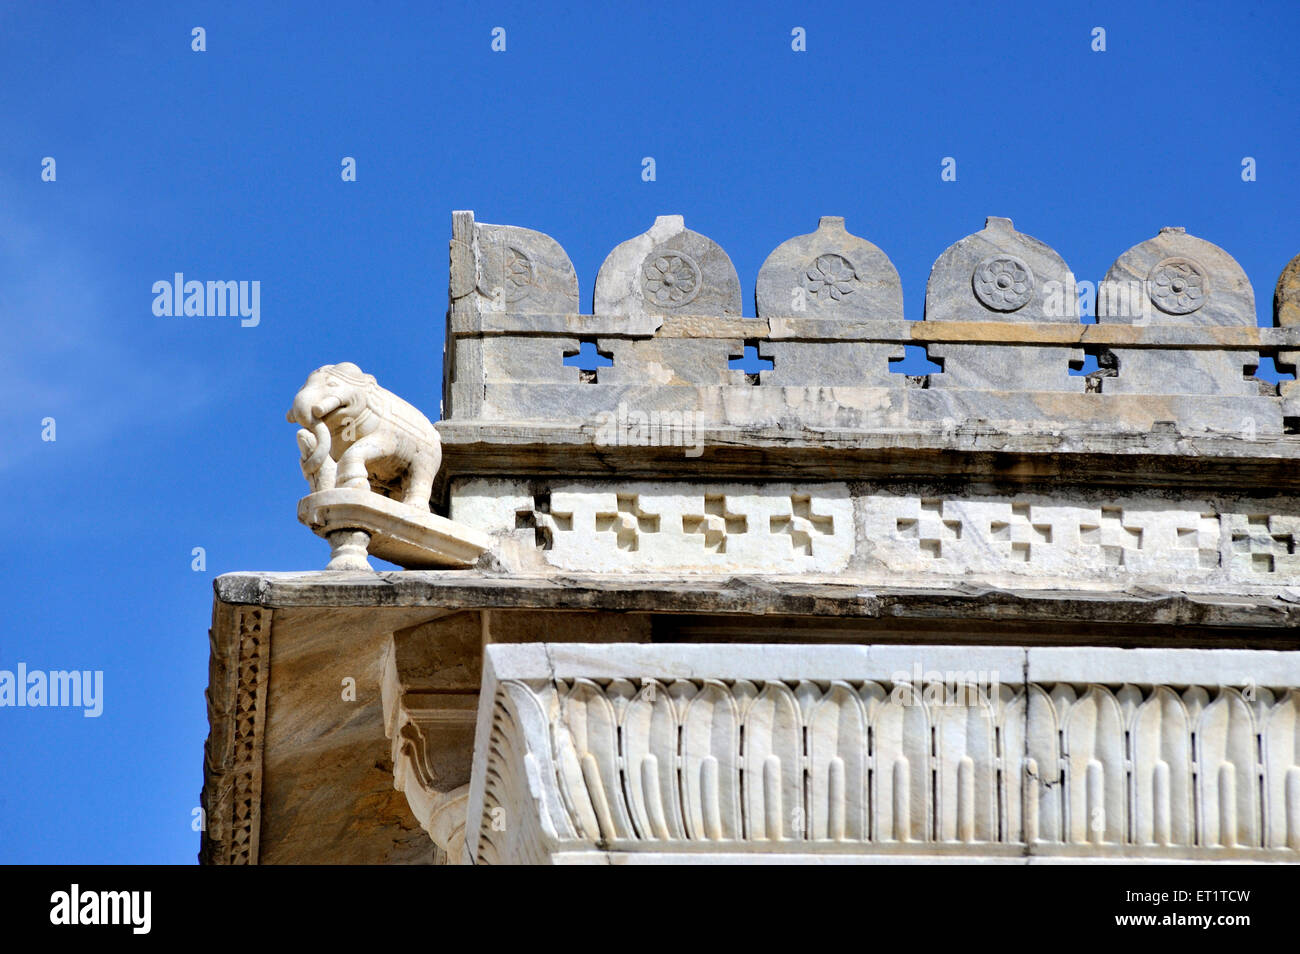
(238, 671)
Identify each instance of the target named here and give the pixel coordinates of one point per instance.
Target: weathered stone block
(1160, 371)
(831, 364)
(442, 655)
(669, 362)
(999, 367)
(528, 358)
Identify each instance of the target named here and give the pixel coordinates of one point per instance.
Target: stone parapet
(1175, 342)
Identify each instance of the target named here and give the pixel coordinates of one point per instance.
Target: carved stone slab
(355, 521)
(1181, 279)
(668, 270)
(999, 274)
(522, 271)
(829, 273)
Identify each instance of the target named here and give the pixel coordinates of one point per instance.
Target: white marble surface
(870, 753)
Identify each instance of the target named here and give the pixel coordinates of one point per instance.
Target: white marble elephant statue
(352, 429)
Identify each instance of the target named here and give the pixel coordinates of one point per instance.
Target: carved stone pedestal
(348, 550)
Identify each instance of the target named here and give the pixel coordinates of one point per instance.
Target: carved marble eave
(1266, 618)
(671, 753)
(238, 670)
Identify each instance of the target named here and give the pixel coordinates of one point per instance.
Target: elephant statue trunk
(317, 465)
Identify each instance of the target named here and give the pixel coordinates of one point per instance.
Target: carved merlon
(832, 275)
(512, 269)
(1000, 270)
(1188, 278)
(668, 270)
(1175, 339)
(829, 273)
(1286, 297)
(370, 459)
(874, 753)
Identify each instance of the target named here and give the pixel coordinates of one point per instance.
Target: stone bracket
(429, 690)
(357, 521)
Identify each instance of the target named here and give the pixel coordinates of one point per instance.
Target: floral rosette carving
(670, 279)
(1178, 286)
(1003, 283)
(830, 277)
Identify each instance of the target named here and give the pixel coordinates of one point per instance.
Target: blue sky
(225, 164)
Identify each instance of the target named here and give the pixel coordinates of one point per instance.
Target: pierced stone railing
(1176, 338)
